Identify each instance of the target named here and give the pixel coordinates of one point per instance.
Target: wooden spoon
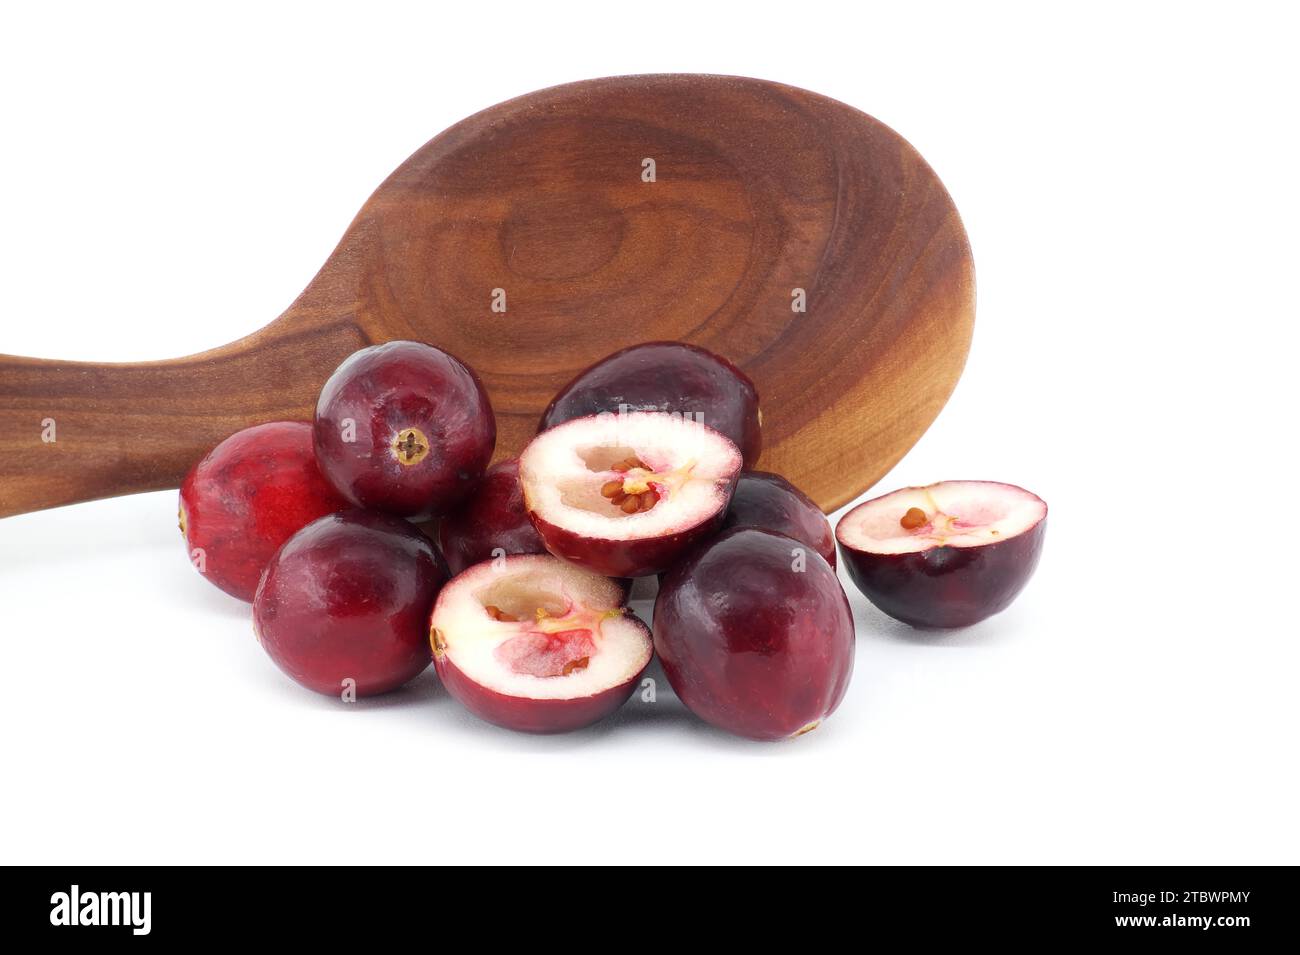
(707, 209)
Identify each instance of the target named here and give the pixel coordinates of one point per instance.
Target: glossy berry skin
(248, 496)
(947, 587)
(769, 501)
(421, 428)
(666, 376)
(749, 643)
(493, 517)
(348, 598)
(624, 559)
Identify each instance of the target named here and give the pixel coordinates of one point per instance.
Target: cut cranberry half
(947, 555)
(626, 495)
(535, 644)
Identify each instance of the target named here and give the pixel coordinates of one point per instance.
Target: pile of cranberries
(376, 539)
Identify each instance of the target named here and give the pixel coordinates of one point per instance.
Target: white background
(1128, 175)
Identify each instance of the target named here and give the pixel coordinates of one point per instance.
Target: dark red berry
(755, 634)
(404, 428)
(673, 377)
(248, 496)
(771, 502)
(493, 522)
(347, 598)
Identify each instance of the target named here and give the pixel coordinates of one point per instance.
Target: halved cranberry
(947, 555)
(536, 644)
(627, 495)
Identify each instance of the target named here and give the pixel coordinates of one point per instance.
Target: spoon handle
(79, 431)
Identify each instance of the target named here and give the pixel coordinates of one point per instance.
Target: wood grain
(759, 189)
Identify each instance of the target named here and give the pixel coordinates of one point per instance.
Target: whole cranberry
(248, 496)
(755, 634)
(404, 428)
(672, 377)
(493, 519)
(348, 598)
(769, 501)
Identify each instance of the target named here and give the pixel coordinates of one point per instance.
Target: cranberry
(249, 495)
(404, 428)
(673, 377)
(536, 644)
(492, 522)
(348, 598)
(947, 555)
(771, 502)
(626, 495)
(755, 634)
